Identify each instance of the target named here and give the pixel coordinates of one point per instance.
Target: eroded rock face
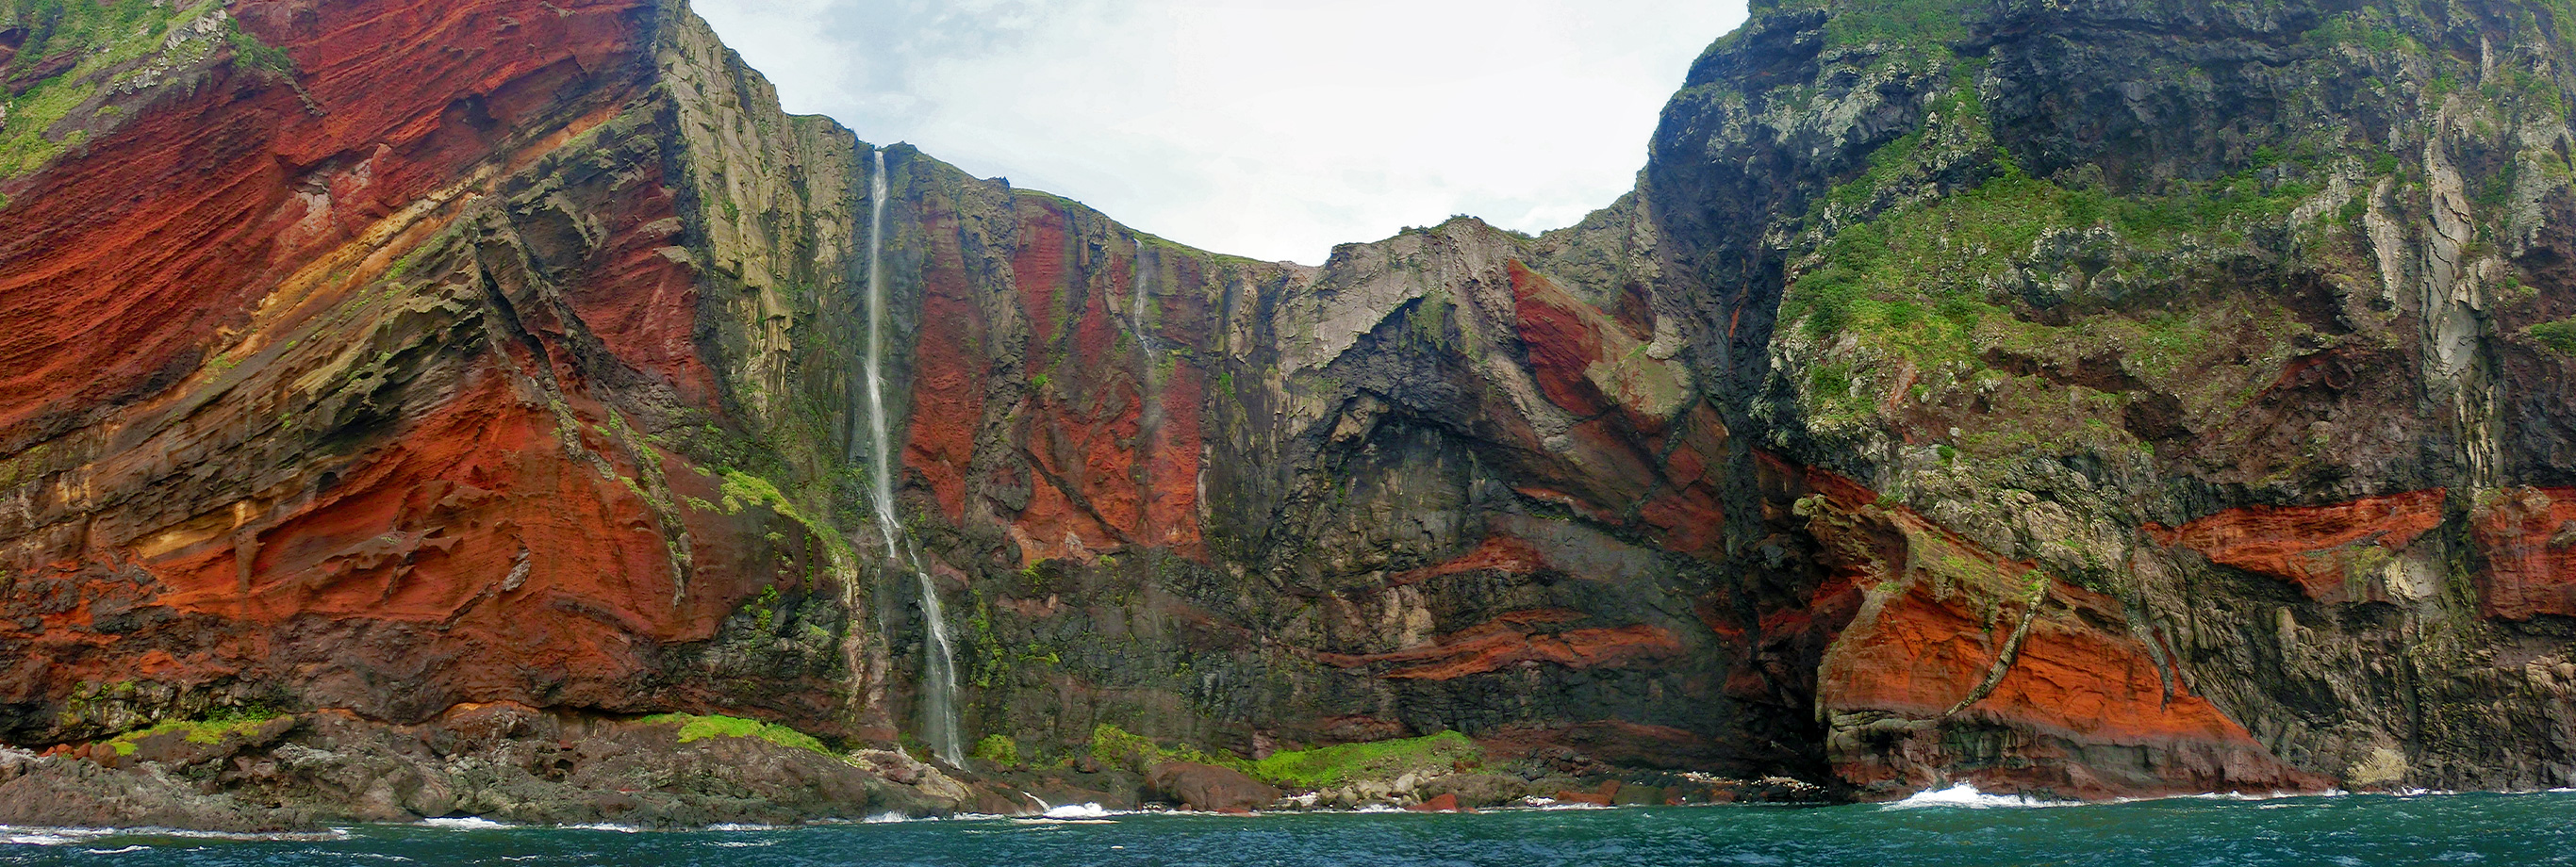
(504, 761)
(2251, 427)
(368, 417)
(2118, 398)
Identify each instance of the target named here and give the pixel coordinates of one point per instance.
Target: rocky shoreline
(274, 773)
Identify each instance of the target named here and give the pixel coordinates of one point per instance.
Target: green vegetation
(985, 658)
(1111, 745)
(2559, 336)
(251, 52)
(1333, 765)
(1300, 769)
(998, 749)
(107, 37)
(1916, 281)
(764, 607)
(698, 728)
(740, 488)
(211, 730)
(2358, 31)
(1909, 23)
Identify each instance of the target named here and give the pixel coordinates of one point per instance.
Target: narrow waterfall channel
(1139, 295)
(939, 670)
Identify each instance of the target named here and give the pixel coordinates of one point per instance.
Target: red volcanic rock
(1593, 798)
(349, 431)
(1564, 340)
(2529, 538)
(2314, 547)
(949, 375)
(531, 574)
(117, 272)
(1112, 437)
(1924, 654)
(1511, 639)
(1498, 553)
(1446, 803)
(638, 298)
(1920, 655)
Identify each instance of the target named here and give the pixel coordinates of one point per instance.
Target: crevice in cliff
(2011, 652)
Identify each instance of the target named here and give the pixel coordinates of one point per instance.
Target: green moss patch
(698, 728)
(1299, 769)
(740, 488)
(212, 730)
(1334, 765)
(112, 41)
(1114, 746)
(998, 749)
(2559, 336)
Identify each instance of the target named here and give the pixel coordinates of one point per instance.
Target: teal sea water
(2345, 831)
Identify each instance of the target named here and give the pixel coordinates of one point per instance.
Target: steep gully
(531, 377)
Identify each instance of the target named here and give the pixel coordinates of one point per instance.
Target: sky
(1265, 129)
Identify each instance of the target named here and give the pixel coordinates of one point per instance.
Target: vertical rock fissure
(939, 665)
(2011, 653)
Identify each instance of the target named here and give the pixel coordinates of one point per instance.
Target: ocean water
(1956, 827)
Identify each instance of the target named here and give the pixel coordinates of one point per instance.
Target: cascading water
(1136, 296)
(1151, 422)
(939, 675)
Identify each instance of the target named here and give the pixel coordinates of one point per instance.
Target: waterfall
(939, 675)
(1136, 295)
(1151, 420)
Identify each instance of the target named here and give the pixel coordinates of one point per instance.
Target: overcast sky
(1266, 129)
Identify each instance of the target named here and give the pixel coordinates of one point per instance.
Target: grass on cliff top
(698, 728)
(211, 730)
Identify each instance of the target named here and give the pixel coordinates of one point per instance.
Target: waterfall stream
(939, 670)
(1139, 295)
(1136, 297)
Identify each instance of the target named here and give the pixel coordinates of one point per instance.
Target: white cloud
(1267, 129)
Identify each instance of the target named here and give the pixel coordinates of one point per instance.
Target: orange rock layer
(1515, 639)
(204, 291)
(2079, 709)
(119, 269)
(2529, 538)
(2315, 547)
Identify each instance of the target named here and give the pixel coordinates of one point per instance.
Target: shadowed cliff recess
(2102, 398)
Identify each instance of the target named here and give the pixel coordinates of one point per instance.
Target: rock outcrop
(2107, 398)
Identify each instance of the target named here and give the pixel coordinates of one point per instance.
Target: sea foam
(1966, 795)
(11, 836)
(463, 823)
(1077, 811)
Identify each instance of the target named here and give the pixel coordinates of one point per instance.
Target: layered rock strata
(2113, 398)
